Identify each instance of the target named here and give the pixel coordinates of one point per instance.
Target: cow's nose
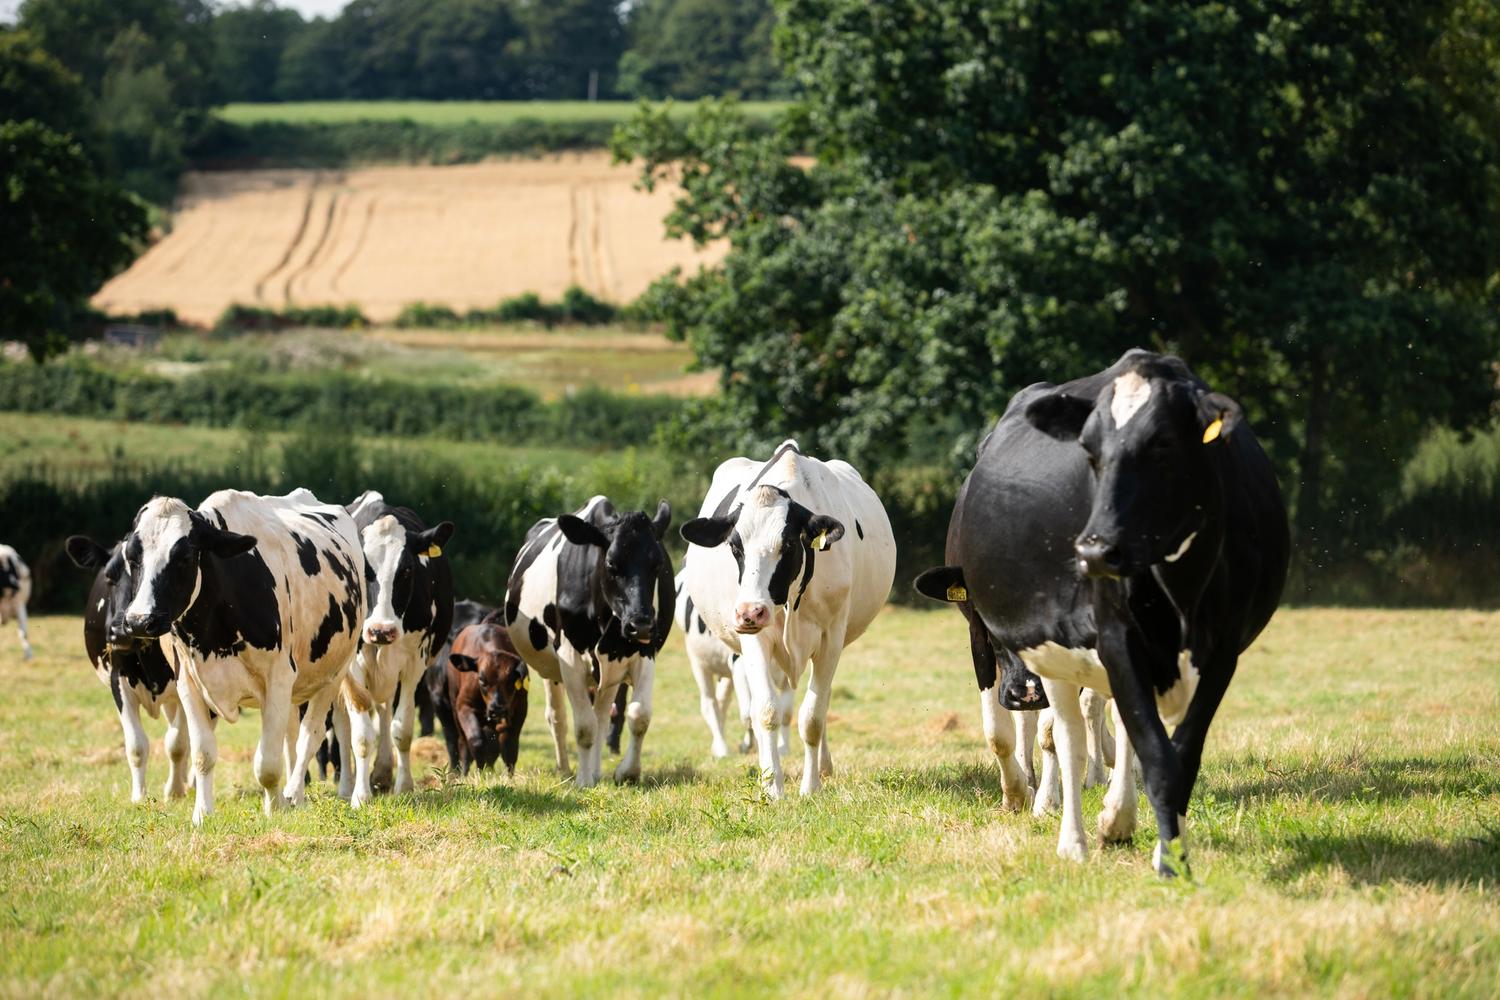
(146, 626)
(638, 629)
(1027, 697)
(750, 618)
(381, 635)
(1096, 557)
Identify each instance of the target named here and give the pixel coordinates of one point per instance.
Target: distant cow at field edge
(15, 591)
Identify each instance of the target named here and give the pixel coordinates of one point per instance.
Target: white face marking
(100, 605)
(761, 526)
(384, 542)
(159, 526)
(1182, 549)
(1131, 393)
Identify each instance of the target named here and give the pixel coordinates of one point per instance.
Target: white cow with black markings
(790, 560)
(15, 591)
(717, 671)
(259, 600)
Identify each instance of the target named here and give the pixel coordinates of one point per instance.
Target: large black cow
(589, 606)
(1123, 532)
(135, 670)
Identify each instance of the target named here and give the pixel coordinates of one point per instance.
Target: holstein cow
(1124, 532)
(716, 669)
(483, 703)
(410, 599)
(790, 559)
(136, 671)
(260, 600)
(586, 607)
(15, 591)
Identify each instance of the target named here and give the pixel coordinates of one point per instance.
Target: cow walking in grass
(789, 561)
(1124, 532)
(588, 607)
(718, 675)
(483, 701)
(135, 670)
(15, 591)
(409, 587)
(259, 599)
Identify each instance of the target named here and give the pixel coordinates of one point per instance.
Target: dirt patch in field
(384, 237)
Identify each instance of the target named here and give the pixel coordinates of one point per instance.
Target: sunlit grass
(1346, 839)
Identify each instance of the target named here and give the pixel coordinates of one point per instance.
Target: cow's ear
(85, 552)
(942, 583)
(1219, 416)
(821, 531)
(1059, 415)
(580, 532)
(706, 531)
(430, 542)
(662, 521)
(219, 541)
(463, 664)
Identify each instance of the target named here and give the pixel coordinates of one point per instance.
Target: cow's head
(504, 683)
(772, 538)
(633, 561)
(110, 566)
(161, 571)
(1150, 438)
(10, 576)
(393, 556)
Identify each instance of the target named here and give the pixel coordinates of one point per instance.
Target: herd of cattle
(1120, 540)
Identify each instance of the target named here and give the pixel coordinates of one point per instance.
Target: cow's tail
(356, 695)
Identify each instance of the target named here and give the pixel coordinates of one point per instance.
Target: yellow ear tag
(821, 542)
(957, 592)
(1211, 432)
(523, 684)
(433, 552)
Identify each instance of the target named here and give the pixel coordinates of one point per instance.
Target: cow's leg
(311, 729)
(403, 723)
(205, 744)
(1118, 817)
(1069, 735)
(1025, 723)
(1000, 736)
(342, 729)
(786, 700)
(586, 728)
(1094, 707)
(638, 720)
(364, 740)
(742, 697)
(137, 746)
(765, 711)
(708, 706)
(383, 767)
(176, 745)
(471, 745)
(1047, 791)
(557, 721)
(21, 627)
(1121, 649)
(817, 760)
(275, 712)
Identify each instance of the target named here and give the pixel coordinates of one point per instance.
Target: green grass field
(1345, 834)
(453, 112)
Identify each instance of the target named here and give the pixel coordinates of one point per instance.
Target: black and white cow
(136, 671)
(260, 599)
(1124, 532)
(586, 607)
(790, 560)
(715, 669)
(409, 588)
(15, 591)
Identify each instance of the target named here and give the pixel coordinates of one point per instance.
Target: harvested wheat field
(383, 237)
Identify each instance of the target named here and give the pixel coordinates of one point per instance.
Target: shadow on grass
(1355, 777)
(507, 797)
(1379, 859)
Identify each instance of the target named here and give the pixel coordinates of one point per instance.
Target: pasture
(383, 237)
(455, 112)
(1346, 839)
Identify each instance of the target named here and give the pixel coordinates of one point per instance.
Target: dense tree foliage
(63, 231)
(35, 86)
(1299, 199)
(692, 48)
(249, 42)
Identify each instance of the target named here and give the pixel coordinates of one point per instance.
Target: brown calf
(482, 705)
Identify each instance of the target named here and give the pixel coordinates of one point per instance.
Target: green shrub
(527, 307)
(423, 315)
(240, 318)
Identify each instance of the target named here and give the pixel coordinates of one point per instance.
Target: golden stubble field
(383, 237)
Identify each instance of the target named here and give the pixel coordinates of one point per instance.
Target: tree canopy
(1301, 200)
